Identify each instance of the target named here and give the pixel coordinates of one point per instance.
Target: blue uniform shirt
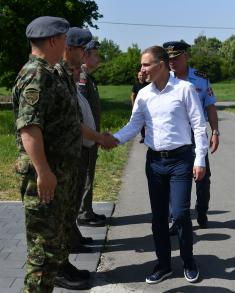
(203, 88)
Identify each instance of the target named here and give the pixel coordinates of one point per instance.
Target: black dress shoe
(92, 222)
(70, 277)
(63, 282)
(202, 220)
(86, 240)
(79, 248)
(99, 216)
(71, 272)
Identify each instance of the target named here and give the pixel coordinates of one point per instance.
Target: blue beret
(92, 45)
(175, 48)
(78, 37)
(46, 26)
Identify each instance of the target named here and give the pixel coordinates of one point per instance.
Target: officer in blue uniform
(180, 69)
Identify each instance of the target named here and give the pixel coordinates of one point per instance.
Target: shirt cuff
(118, 137)
(200, 162)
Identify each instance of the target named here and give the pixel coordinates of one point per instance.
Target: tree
(121, 69)
(15, 16)
(227, 52)
(108, 50)
(205, 56)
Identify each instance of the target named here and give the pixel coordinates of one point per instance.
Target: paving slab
(13, 246)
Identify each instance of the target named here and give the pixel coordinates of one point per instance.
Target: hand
(214, 143)
(108, 141)
(198, 173)
(46, 184)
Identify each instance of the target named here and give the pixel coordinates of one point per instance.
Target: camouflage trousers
(46, 231)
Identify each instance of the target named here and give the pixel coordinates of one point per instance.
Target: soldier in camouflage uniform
(76, 40)
(48, 129)
(89, 90)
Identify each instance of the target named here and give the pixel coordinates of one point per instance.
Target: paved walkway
(129, 252)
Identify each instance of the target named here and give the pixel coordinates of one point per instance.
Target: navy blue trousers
(203, 190)
(170, 179)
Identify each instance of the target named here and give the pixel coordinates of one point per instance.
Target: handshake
(107, 141)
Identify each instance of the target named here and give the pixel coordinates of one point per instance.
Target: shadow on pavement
(222, 108)
(217, 268)
(146, 218)
(197, 289)
(145, 244)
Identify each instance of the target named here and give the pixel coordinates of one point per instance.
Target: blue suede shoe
(158, 275)
(191, 272)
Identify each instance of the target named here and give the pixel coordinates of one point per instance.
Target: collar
(170, 83)
(191, 74)
(41, 61)
(66, 67)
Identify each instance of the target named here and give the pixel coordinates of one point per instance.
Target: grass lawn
(231, 109)
(224, 91)
(4, 91)
(116, 111)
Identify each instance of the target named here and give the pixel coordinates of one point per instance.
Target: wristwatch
(215, 132)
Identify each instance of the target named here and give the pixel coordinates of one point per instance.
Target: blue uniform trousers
(170, 179)
(203, 190)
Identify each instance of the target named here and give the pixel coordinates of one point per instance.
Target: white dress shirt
(168, 116)
(87, 116)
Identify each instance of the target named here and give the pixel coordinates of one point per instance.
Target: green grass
(230, 109)
(224, 91)
(4, 91)
(116, 111)
(8, 153)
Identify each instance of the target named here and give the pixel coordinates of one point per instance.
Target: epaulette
(201, 74)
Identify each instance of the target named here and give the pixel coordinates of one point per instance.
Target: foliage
(122, 69)
(205, 56)
(108, 50)
(15, 16)
(227, 52)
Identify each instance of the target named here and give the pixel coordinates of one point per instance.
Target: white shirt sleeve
(135, 124)
(197, 121)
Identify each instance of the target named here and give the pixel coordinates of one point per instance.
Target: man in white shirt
(169, 107)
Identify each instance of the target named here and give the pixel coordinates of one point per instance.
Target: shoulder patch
(200, 74)
(31, 96)
(210, 92)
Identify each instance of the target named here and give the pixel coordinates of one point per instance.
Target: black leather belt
(171, 153)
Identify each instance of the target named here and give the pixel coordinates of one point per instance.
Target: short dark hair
(39, 42)
(159, 54)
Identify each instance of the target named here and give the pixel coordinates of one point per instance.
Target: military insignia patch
(210, 91)
(83, 79)
(200, 74)
(31, 96)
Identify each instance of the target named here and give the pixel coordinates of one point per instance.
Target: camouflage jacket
(41, 98)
